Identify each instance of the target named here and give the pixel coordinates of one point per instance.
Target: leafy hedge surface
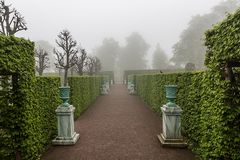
(211, 116)
(84, 90)
(27, 106)
(222, 42)
(26, 117)
(151, 88)
(47, 95)
(16, 58)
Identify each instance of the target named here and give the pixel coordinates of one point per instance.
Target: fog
(90, 21)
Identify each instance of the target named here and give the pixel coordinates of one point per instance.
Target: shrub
(28, 103)
(210, 118)
(84, 90)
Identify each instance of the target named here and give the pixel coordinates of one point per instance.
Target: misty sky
(90, 21)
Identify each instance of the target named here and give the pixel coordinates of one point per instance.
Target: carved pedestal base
(176, 143)
(66, 133)
(171, 136)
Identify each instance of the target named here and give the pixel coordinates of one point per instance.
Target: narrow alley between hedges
(118, 126)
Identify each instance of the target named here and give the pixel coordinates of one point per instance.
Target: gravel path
(117, 126)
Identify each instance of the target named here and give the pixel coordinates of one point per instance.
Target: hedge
(28, 103)
(151, 88)
(83, 91)
(211, 116)
(17, 65)
(210, 99)
(222, 42)
(47, 95)
(109, 76)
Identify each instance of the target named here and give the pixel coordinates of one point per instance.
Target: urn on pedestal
(65, 120)
(171, 121)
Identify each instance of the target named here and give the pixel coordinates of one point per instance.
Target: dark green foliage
(40, 124)
(44, 116)
(223, 42)
(210, 102)
(211, 114)
(28, 103)
(16, 59)
(151, 88)
(222, 49)
(84, 90)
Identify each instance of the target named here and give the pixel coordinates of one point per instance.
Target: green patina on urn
(171, 92)
(64, 95)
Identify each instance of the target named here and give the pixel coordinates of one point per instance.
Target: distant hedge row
(84, 90)
(211, 109)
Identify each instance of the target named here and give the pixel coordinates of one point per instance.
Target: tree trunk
(80, 72)
(40, 72)
(72, 71)
(65, 82)
(18, 156)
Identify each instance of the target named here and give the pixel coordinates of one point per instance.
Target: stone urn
(171, 92)
(64, 95)
(65, 120)
(171, 121)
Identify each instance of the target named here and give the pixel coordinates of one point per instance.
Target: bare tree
(42, 60)
(93, 65)
(68, 57)
(11, 20)
(90, 65)
(81, 62)
(97, 65)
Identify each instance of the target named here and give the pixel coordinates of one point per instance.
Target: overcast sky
(90, 21)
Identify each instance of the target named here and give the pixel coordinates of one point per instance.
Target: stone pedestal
(129, 85)
(171, 136)
(105, 89)
(131, 89)
(66, 133)
(107, 86)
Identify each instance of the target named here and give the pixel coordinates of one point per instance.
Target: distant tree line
(190, 48)
(188, 52)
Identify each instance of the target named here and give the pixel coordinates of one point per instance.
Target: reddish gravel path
(117, 126)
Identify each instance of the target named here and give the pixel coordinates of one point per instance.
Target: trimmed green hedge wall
(222, 42)
(28, 103)
(84, 90)
(16, 59)
(151, 88)
(210, 99)
(47, 95)
(211, 106)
